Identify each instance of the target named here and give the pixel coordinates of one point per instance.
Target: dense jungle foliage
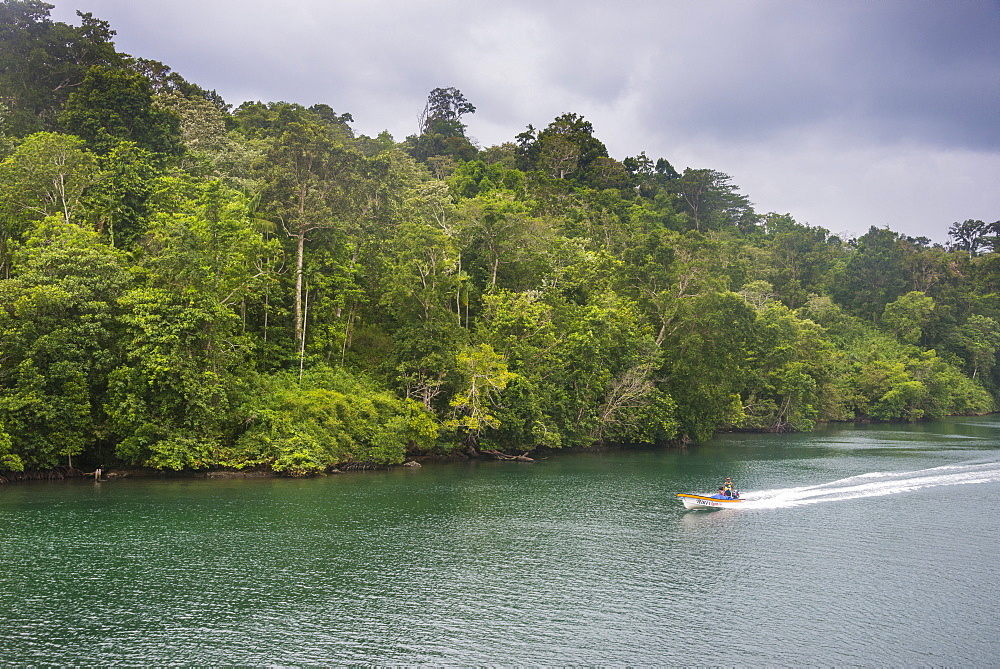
(184, 284)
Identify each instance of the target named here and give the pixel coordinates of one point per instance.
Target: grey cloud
(812, 63)
(788, 96)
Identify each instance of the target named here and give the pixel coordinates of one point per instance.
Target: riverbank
(119, 473)
(113, 473)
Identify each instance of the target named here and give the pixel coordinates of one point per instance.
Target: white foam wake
(873, 484)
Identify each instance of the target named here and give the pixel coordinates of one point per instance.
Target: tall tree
(46, 175)
(111, 105)
(118, 203)
(60, 337)
(444, 111)
(969, 236)
(798, 258)
(309, 173)
(980, 337)
(43, 61)
(873, 275)
(442, 133)
(707, 362)
(185, 361)
(649, 177)
(564, 149)
(499, 232)
(712, 201)
(907, 316)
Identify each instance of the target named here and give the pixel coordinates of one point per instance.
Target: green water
(873, 545)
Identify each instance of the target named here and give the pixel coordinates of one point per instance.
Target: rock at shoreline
(228, 474)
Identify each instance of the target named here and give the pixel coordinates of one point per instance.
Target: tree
(484, 375)
(559, 157)
(46, 175)
(926, 266)
(60, 328)
(442, 133)
(609, 221)
(969, 236)
(565, 149)
(707, 362)
(172, 398)
(475, 177)
(444, 111)
(42, 61)
(498, 232)
(712, 201)
(873, 275)
(118, 202)
(980, 337)
(185, 362)
(310, 171)
(202, 122)
(798, 258)
(908, 315)
(424, 275)
(608, 173)
(790, 371)
(993, 238)
(112, 105)
(9, 461)
(649, 177)
(584, 371)
(665, 271)
(349, 266)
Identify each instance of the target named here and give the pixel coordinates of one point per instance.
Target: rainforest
(189, 285)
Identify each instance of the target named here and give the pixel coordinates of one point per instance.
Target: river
(857, 545)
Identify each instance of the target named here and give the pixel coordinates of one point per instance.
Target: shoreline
(412, 461)
(64, 474)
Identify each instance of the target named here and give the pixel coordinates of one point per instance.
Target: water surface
(868, 545)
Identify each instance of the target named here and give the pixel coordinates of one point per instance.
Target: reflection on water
(578, 559)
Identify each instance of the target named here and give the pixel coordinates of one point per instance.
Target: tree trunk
(300, 240)
(302, 341)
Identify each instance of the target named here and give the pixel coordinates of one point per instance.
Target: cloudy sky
(845, 113)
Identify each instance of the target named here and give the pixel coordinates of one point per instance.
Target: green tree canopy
(42, 61)
(113, 104)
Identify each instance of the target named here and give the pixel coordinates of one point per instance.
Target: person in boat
(722, 491)
(728, 491)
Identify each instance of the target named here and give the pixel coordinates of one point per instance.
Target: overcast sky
(846, 114)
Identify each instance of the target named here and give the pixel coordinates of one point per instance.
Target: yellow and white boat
(708, 502)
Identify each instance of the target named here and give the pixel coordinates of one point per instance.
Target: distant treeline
(188, 285)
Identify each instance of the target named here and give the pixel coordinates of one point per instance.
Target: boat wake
(873, 484)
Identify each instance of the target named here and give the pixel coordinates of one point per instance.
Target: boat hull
(707, 502)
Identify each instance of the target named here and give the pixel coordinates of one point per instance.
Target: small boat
(708, 502)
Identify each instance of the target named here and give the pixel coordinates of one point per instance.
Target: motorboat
(708, 502)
